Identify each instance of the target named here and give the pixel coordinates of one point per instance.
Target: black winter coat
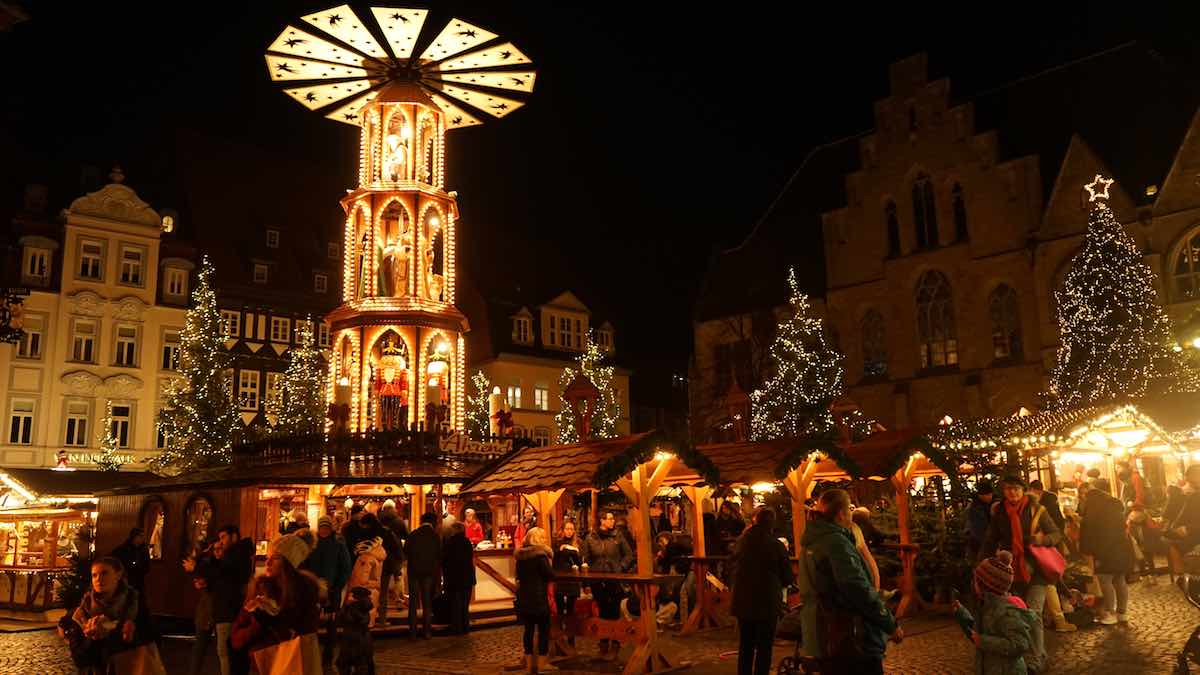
(458, 563)
(607, 551)
(761, 571)
(1050, 501)
(136, 560)
(566, 556)
(1102, 534)
(227, 577)
(534, 575)
(423, 551)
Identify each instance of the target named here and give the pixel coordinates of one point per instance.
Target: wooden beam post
(697, 495)
(641, 488)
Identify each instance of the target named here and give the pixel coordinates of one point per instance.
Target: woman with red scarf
(1018, 523)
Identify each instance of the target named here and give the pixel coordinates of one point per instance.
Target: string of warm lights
(299, 406)
(199, 418)
(1116, 338)
(109, 458)
(607, 408)
(805, 376)
(478, 421)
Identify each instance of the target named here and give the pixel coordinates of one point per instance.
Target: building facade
(946, 244)
(523, 349)
(108, 295)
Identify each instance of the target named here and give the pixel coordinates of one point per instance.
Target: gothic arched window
(924, 212)
(893, 228)
(874, 345)
(936, 332)
(959, 203)
(1006, 322)
(1186, 271)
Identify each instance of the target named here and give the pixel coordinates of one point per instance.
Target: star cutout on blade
(505, 55)
(350, 116)
(399, 17)
(293, 42)
(457, 120)
(284, 67)
(310, 97)
(334, 18)
(467, 33)
(501, 106)
(1098, 188)
(519, 81)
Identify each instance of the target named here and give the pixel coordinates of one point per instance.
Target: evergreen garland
(199, 419)
(643, 450)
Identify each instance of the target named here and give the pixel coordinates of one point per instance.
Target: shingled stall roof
(63, 484)
(431, 469)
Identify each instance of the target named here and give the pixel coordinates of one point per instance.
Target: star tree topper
(1098, 188)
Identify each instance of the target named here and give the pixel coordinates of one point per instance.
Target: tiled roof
(550, 467)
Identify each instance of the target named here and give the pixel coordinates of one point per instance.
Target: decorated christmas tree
(1116, 341)
(805, 376)
(607, 410)
(478, 423)
(299, 408)
(109, 458)
(198, 419)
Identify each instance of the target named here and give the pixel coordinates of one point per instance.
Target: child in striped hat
(1004, 632)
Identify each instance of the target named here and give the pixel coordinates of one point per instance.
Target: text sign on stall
(458, 443)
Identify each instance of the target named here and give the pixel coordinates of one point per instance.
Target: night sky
(658, 132)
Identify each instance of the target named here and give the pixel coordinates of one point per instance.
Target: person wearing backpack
(1003, 633)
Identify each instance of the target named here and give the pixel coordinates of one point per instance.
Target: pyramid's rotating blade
(401, 27)
(321, 95)
(342, 23)
(348, 113)
(496, 106)
(501, 55)
(454, 115)
(284, 68)
(458, 36)
(295, 42)
(514, 81)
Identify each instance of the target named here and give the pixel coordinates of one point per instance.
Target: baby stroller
(797, 663)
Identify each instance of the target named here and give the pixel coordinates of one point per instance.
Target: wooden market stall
(270, 480)
(637, 466)
(46, 517)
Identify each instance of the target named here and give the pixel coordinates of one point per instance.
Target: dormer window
(604, 339)
(35, 270)
(272, 238)
(522, 332)
(175, 282)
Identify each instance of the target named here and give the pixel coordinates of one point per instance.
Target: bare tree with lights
(479, 424)
(1116, 339)
(607, 408)
(199, 419)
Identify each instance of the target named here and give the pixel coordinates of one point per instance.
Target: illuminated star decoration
(1098, 188)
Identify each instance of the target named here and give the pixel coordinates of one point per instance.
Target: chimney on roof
(908, 75)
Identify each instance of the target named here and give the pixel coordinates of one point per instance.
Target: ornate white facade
(102, 325)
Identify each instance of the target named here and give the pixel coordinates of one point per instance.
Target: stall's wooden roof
(747, 463)
(48, 483)
(550, 467)
(429, 470)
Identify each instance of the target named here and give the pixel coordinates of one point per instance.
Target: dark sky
(658, 132)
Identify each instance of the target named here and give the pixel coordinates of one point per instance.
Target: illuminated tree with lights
(479, 424)
(607, 407)
(110, 449)
(199, 419)
(300, 406)
(1116, 339)
(805, 377)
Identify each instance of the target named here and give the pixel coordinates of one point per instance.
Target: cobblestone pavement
(1160, 622)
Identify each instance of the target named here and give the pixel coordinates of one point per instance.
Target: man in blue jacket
(330, 561)
(842, 581)
(979, 514)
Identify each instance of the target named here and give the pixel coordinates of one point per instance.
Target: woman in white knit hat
(299, 608)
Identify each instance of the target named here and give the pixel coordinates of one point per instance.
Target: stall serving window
(197, 518)
(152, 521)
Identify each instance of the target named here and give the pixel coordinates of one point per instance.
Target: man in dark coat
(458, 577)
(423, 551)
(840, 578)
(1102, 535)
(226, 580)
(1049, 500)
(330, 561)
(979, 514)
(354, 531)
(761, 571)
(606, 550)
(1034, 527)
(135, 555)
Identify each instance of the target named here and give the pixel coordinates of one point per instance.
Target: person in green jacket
(1004, 632)
(840, 577)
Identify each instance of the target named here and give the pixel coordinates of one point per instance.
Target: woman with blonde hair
(567, 559)
(534, 574)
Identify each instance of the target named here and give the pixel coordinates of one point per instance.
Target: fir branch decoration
(644, 449)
